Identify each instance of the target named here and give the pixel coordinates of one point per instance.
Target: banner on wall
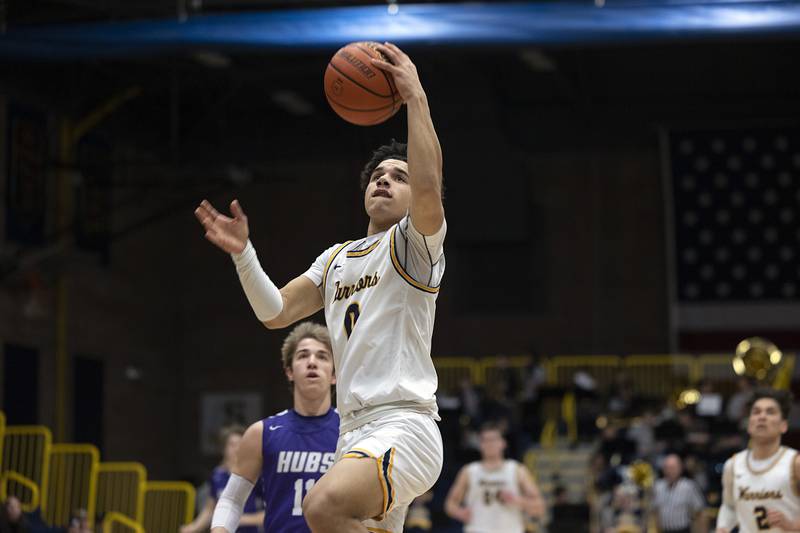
(735, 206)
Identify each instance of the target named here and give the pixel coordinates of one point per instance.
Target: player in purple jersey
(291, 450)
(230, 439)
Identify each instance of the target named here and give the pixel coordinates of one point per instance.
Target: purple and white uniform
(296, 450)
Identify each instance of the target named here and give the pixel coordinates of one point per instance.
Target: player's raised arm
(228, 513)
(424, 151)
(274, 308)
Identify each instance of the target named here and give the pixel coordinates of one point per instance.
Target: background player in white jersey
(494, 494)
(379, 296)
(291, 450)
(760, 484)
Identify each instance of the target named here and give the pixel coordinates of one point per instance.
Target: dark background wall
(555, 206)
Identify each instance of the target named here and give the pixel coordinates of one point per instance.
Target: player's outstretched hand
(229, 234)
(402, 69)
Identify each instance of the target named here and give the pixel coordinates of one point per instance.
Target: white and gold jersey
(380, 295)
(759, 488)
(489, 513)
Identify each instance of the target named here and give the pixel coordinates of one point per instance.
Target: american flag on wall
(735, 209)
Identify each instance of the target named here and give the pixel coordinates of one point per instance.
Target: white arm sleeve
(231, 502)
(263, 295)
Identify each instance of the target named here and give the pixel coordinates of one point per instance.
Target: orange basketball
(357, 90)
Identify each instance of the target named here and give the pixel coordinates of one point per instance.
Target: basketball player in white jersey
(379, 295)
(760, 484)
(495, 494)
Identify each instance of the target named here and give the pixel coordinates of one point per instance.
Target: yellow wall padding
(24, 468)
(72, 484)
(167, 505)
(120, 489)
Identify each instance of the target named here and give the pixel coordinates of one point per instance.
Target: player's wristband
(263, 295)
(231, 502)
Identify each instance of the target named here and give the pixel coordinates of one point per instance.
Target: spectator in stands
(625, 511)
(710, 404)
(621, 401)
(615, 446)
(642, 432)
(470, 402)
(696, 432)
(11, 518)
(736, 410)
(677, 500)
(533, 380)
(79, 522)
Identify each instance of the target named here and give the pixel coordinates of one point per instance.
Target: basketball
(357, 90)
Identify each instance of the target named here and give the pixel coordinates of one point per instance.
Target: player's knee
(318, 506)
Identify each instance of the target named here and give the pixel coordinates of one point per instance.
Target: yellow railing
(72, 484)
(119, 523)
(602, 368)
(22, 484)
(167, 505)
(656, 374)
(491, 370)
(26, 452)
(452, 370)
(120, 489)
(661, 375)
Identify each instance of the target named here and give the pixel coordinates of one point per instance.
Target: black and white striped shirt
(677, 504)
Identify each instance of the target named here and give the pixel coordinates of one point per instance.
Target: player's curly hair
(393, 150)
(782, 397)
(304, 330)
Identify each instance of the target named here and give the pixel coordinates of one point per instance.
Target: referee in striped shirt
(677, 500)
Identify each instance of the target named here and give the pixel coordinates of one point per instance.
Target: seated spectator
(616, 447)
(736, 410)
(11, 518)
(79, 522)
(625, 512)
(642, 432)
(710, 404)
